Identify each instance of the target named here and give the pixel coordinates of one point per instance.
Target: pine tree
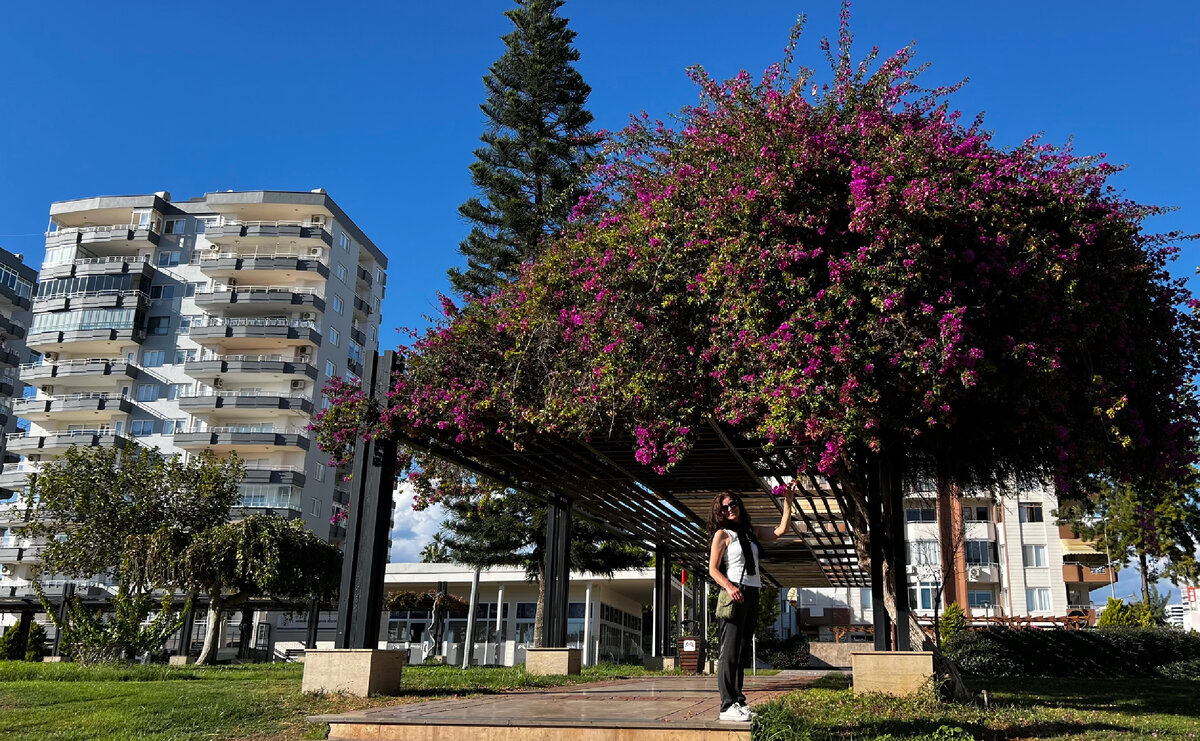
(529, 171)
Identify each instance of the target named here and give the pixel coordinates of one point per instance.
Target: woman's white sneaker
(735, 713)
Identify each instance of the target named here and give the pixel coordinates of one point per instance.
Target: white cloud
(412, 530)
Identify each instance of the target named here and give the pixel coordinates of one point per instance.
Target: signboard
(689, 645)
(1193, 594)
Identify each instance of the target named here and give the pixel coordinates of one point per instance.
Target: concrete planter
(892, 672)
(355, 671)
(178, 660)
(660, 663)
(544, 661)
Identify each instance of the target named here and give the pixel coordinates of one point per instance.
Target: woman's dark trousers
(735, 636)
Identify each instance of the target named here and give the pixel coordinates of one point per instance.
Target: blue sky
(378, 102)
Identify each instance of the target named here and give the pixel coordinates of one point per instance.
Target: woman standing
(733, 559)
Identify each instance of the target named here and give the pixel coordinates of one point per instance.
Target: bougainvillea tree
(847, 269)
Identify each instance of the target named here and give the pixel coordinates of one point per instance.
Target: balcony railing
(246, 394)
(255, 429)
(270, 501)
(74, 362)
(302, 290)
(253, 358)
(222, 321)
(127, 293)
(204, 256)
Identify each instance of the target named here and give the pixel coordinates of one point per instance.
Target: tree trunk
(212, 634)
(1145, 579)
(541, 605)
(246, 633)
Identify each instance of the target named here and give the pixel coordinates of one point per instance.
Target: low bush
(1107, 653)
(790, 653)
(1189, 669)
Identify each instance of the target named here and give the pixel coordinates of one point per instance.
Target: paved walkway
(652, 708)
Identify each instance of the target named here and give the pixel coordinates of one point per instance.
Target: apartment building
(206, 324)
(1007, 558)
(18, 282)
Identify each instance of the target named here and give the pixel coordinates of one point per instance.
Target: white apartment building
(1009, 559)
(18, 282)
(206, 324)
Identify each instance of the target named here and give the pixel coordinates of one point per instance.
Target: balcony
(234, 300)
(283, 267)
(364, 277)
(13, 478)
(111, 265)
(288, 475)
(54, 443)
(235, 332)
(78, 372)
(100, 341)
(269, 234)
(341, 496)
(9, 386)
(354, 367)
(14, 553)
(114, 299)
(244, 439)
(18, 295)
(117, 238)
(80, 407)
(8, 358)
(983, 573)
(246, 404)
(361, 308)
(1093, 576)
(252, 368)
(10, 330)
(357, 335)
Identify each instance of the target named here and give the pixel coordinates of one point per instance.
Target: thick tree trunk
(212, 634)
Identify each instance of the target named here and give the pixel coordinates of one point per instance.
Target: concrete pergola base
(549, 661)
(892, 672)
(354, 671)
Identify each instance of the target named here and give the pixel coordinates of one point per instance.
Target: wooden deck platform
(670, 708)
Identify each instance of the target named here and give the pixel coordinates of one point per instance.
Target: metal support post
(879, 614)
(185, 630)
(314, 619)
(556, 573)
(469, 638)
(68, 594)
(360, 602)
(662, 599)
(891, 487)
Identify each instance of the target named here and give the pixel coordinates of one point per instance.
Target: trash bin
(691, 654)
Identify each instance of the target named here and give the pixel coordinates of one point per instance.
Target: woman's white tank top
(735, 562)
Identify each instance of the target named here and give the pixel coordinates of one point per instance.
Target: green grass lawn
(57, 702)
(1026, 708)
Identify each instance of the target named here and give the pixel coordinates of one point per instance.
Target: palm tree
(436, 551)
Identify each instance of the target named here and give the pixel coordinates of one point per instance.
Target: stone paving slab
(639, 708)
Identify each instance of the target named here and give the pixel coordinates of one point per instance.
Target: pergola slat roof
(608, 486)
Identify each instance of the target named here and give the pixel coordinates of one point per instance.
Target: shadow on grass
(1133, 696)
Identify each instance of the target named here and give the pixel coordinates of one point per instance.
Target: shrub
(1106, 653)
(790, 653)
(1189, 669)
(953, 621)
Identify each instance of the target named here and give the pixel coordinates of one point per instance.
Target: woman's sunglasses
(730, 507)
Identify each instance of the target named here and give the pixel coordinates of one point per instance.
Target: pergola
(600, 480)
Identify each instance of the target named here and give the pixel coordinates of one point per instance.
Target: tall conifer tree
(529, 171)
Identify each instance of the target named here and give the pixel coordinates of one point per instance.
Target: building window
(141, 427)
(190, 289)
(169, 259)
(315, 510)
(320, 472)
(153, 358)
(344, 241)
(185, 323)
(353, 378)
(372, 334)
(176, 226)
(923, 595)
(338, 304)
(978, 599)
(147, 392)
(335, 337)
(1037, 599)
(924, 553)
(981, 552)
(920, 514)
(379, 276)
(341, 273)
(184, 356)
(1035, 555)
(864, 599)
(158, 325)
(175, 425)
(977, 514)
(1031, 512)
(163, 292)
(330, 369)
(176, 390)
(355, 352)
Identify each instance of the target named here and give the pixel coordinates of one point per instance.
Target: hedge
(1106, 653)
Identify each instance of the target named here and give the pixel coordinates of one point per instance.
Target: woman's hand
(735, 594)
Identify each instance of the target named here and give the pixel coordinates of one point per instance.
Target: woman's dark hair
(718, 521)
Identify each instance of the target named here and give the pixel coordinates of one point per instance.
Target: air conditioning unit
(315, 251)
(307, 315)
(214, 248)
(50, 357)
(47, 389)
(218, 382)
(318, 219)
(297, 385)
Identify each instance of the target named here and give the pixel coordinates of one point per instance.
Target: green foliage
(529, 170)
(23, 642)
(93, 636)
(1109, 652)
(768, 613)
(435, 551)
(1189, 669)
(952, 622)
(35, 643)
(409, 600)
(790, 653)
(1117, 614)
(114, 498)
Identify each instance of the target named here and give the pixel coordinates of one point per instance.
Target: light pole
(1112, 587)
